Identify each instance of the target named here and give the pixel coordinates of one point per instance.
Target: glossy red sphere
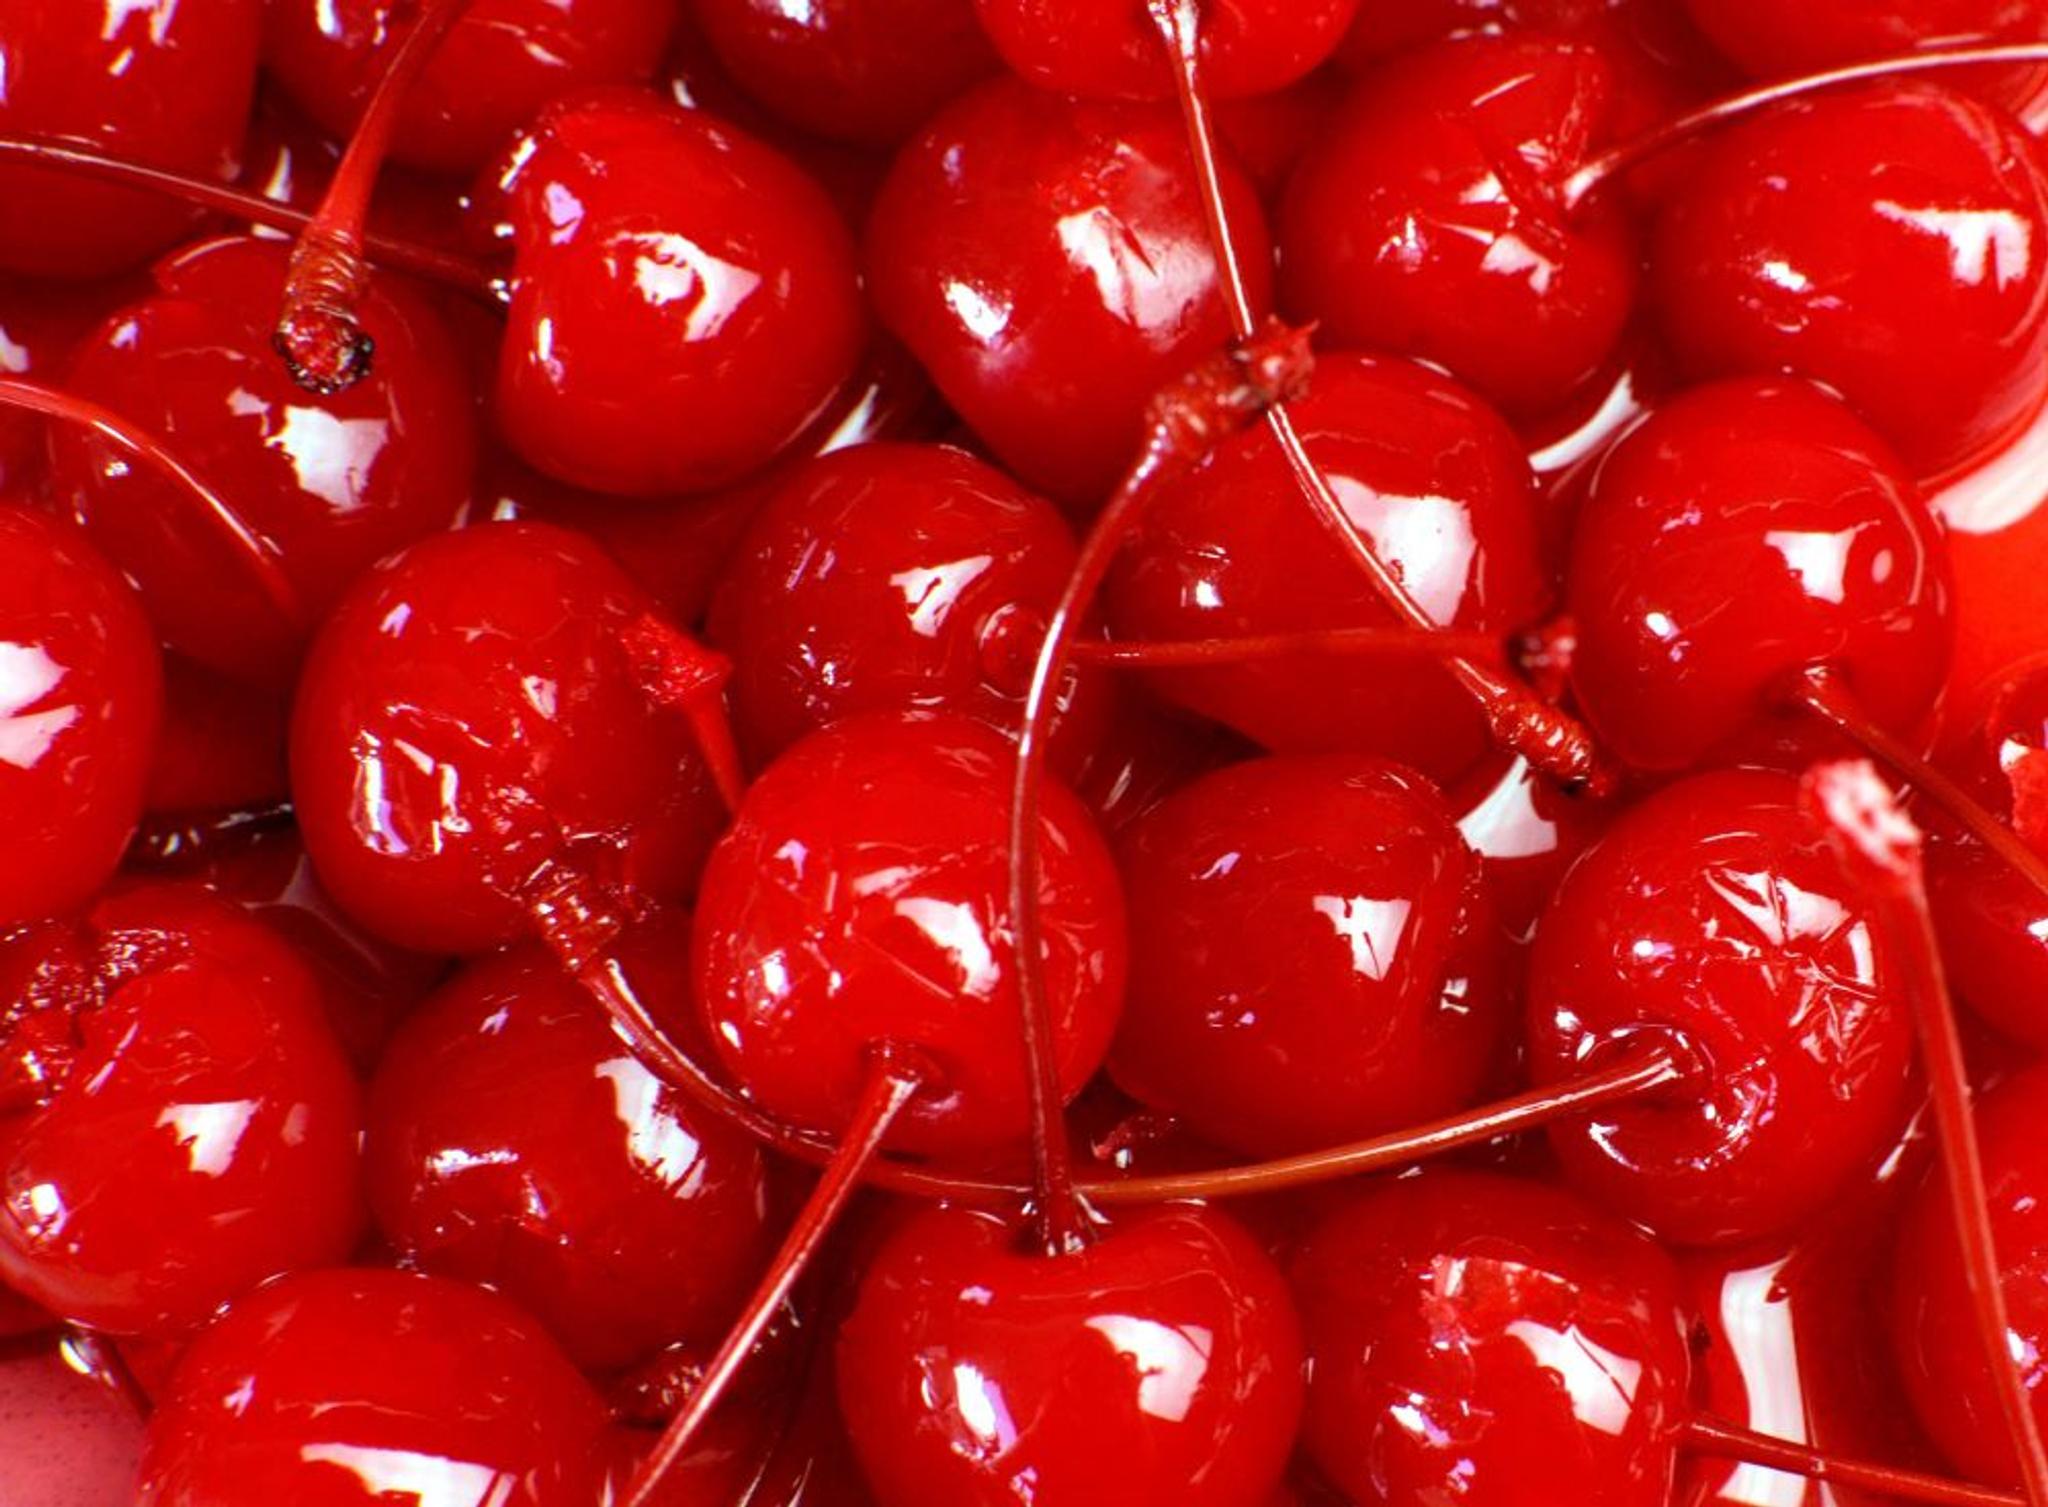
(471, 715)
(1160, 1367)
(1477, 1339)
(1888, 241)
(1049, 263)
(1716, 919)
(862, 897)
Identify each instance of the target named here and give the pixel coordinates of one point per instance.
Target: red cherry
(1884, 240)
(470, 716)
(683, 300)
(1477, 1339)
(81, 690)
(1431, 219)
(1160, 1365)
(1049, 262)
(1433, 479)
(1740, 535)
(352, 1388)
(1716, 915)
(41, 324)
(1313, 956)
(860, 899)
(1527, 832)
(204, 1137)
(167, 86)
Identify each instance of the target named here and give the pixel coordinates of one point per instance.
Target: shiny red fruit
(862, 897)
(1159, 1367)
(1715, 919)
(1477, 1339)
(1773, 41)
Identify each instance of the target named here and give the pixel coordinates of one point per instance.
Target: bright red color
(221, 746)
(1771, 41)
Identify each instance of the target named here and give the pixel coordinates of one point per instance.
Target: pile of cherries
(1029, 753)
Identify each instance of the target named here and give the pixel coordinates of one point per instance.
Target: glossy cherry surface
(1314, 958)
(470, 715)
(203, 1135)
(350, 1388)
(1715, 918)
(1438, 484)
(1161, 1365)
(1478, 1339)
(1049, 262)
(1887, 241)
(41, 323)
(1743, 533)
(861, 898)
(1430, 219)
(81, 694)
(683, 297)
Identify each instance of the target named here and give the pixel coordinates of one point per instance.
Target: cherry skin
(1770, 43)
(168, 86)
(1527, 832)
(41, 323)
(81, 694)
(1162, 1364)
(334, 483)
(1049, 262)
(1479, 1339)
(892, 577)
(1430, 220)
(1439, 485)
(204, 1137)
(491, 74)
(687, 319)
(861, 898)
(1715, 917)
(351, 1388)
(1741, 534)
(514, 1141)
(1884, 240)
(469, 717)
(1314, 958)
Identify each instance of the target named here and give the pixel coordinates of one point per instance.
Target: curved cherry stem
(258, 554)
(1880, 845)
(893, 1082)
(1682, 128)
(1727, 1441)
(322, 341)
(1251, 648)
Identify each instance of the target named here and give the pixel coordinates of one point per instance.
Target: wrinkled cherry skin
(1740, 534)
(1439, 485)
(205, 1137)
(334, 482)
(81, 697)
(469, 716)
(514, 1141)
(1429, 220)
(1888, 241)
(684, 300)
(861, 897)
(1314, 958)
(355, 1388)
(489, 75)
(858, 70)
(887, 578)
(1049, 262)
(1478, 1339)
(1159, 1367)
(1112, 49)
(1715, 917)
(166, 85)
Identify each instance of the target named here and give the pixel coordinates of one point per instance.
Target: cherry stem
(401, 255)
(1723, 1440)
(1251, 648)
(891, 1085)
(1681, 128)
(1520, 720)
(322, 341)
(97, 1357)
(680, 672)
(1881, 847)
(1823, 693)
(258, 554)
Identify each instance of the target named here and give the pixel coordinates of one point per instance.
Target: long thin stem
(1251, 648)
(1724, 1440)
(1882, 848)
